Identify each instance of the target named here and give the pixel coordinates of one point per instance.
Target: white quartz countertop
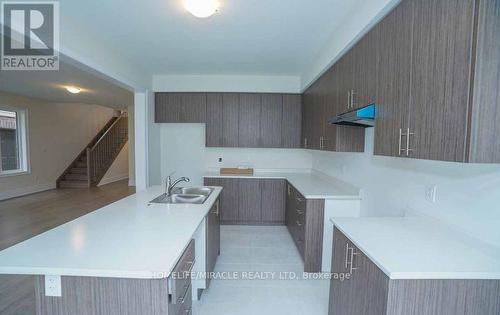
(420, 248)
(126, 239)
(311, 185)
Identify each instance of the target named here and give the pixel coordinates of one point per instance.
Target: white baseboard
(112, 179)
(18, 192)
(131, 182)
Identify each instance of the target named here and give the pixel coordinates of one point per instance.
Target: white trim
(22, 133)
(131, 182)
(112, 179)
(18, 192)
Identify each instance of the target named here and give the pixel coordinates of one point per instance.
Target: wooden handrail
(108, 130)
(102, 154)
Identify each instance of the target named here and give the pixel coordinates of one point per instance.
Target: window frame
(22, 133)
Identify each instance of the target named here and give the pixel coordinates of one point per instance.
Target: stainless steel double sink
(185, 195)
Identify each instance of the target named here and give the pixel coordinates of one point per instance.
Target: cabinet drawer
(181, 279)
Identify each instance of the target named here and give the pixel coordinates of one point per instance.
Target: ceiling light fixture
(73, 89)
(201, 8)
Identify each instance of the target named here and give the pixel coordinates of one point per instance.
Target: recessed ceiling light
(73, 89)
(201, 8)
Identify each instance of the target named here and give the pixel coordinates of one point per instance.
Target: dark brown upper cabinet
(249, 120)
(230, 119)
(291, 121)
(393, 76)
(180, 107)
(364, 90)
(271, 116)
(438, 81)
(323, 100)
(214, 129)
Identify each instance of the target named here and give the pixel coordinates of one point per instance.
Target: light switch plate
(53, 286)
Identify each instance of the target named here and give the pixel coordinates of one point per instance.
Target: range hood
(363, 117)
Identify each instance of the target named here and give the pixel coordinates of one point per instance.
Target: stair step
(78, 170)
(80, 164)
(73, 184)
(76, 176)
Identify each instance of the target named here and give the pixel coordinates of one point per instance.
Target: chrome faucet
(170, 185)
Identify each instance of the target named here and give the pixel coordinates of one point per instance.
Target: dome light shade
(201, 8)
(73, 89)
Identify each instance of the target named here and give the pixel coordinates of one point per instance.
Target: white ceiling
(246, 37)
(50, 85)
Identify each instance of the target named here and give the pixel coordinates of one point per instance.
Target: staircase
(89, 167)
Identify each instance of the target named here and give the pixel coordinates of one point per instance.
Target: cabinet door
(367, 289)
(393, 77)
(485, 126)
(307, 119)
(212, 238)
(271, 114)
(167, 107)
(345, 68)
(249, 201)
(273, 201)
(330, 109)
(193, 108)
(440, 80)
(291, 125)
(365, 70)
(228, 198)
(249, 120)
(214, 127)
(230, 109)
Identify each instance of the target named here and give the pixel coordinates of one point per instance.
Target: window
(13, 144)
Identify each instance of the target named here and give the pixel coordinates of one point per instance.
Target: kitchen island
(116, 260)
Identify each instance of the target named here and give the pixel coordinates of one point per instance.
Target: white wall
(183, 150)
(57, 133)
(226, 83)
(468, 195)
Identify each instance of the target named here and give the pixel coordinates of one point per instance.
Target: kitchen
(380, 176)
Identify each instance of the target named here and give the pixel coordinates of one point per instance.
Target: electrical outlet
(53, 286)
(431, 193)
(220, 160)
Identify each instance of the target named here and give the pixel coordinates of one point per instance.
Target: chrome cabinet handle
(299, 199)
(299, 211)
(352, 98)
(400, 142)
(353, 253)
(298, 223)
(305, 143)
(348, 99)
(346, 255)
(289, 190)
(408, 134)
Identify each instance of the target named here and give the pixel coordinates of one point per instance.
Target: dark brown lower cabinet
(212, 238)
(369, 291)
(304, 220)
(250, 201)
(119, 296)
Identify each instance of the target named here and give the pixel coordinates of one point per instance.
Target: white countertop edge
(456, 275)
(123, 274)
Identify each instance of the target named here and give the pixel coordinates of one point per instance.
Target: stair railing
(102, 154)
